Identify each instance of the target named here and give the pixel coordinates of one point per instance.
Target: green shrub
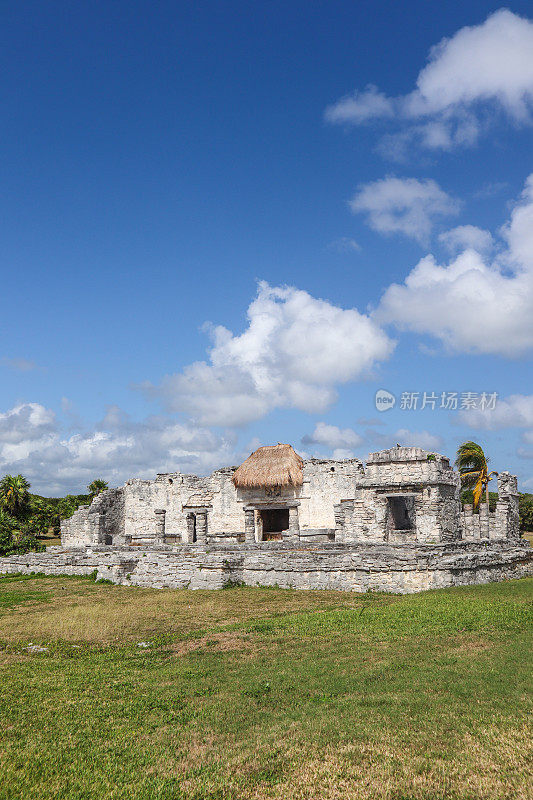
(525, 506)
(15, 539)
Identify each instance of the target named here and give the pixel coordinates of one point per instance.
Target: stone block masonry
(395, 525)
(383, 567)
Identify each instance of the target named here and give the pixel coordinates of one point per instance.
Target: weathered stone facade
(210, 509)
(396, 525)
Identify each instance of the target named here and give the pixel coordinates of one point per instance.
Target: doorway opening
(402, 513)
(274, 521)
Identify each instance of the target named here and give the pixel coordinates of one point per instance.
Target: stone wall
(100, 523)
(338, 499)
(380, 567)
(503, 523)
(127, 515)
(426, 485)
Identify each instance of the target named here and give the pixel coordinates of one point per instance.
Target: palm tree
(96, 487)
(14, 493)
(473, 467)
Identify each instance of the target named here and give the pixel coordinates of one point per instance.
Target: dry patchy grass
(78, 610)
(252, 694)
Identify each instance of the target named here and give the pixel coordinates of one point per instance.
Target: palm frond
(478, 491)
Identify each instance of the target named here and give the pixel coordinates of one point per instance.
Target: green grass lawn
(264, 693)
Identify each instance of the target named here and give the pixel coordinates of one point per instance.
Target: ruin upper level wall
(408, 465)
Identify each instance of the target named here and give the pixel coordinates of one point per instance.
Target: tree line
(26, 519)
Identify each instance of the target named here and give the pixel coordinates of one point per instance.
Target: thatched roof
(267, 467)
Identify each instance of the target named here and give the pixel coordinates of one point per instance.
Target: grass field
(264, 693)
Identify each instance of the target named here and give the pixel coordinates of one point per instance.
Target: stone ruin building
(394, 524)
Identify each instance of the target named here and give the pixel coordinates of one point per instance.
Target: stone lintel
(265, 506)
(403, 486)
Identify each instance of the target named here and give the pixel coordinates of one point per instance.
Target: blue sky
(209, 215)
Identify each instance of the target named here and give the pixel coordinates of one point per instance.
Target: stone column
(507, 521)
(294, 523)
(249, 526)
(201, 526)
(160, 515)
(468, 528)
(96, 524)
(338, 511)
(483, 521)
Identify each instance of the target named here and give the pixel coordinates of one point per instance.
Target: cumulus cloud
(26, 421)
(342, 442)
(403, 205)
(515, 411)
(423, 439)
(360, 107)
(473, 304)
(404, 437)
(294, 352)
(479, 69)
(466, 236)
(33, 443)
(332, 437)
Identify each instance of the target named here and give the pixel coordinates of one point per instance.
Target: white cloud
(491, 61)
(342, 453)
(405, 437)
(26, 421)
(343, 441)
(403, 205)
(294, 352)
(480, 68)
(466, 236)
(473, 304)
(345, 245)
(515, 411)
(18, 364)
(423, 439)
(491, 189)
(33, 443)
(332, 437)
(360, 107)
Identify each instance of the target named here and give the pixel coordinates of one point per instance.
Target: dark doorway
(275, 520)
(191, 527)
(402, 513)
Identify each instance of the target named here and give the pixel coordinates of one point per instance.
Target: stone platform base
(404, 568)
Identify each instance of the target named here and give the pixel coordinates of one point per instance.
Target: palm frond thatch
(269, 467)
